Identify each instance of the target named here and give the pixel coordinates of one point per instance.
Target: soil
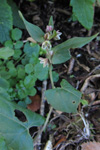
(67, 130)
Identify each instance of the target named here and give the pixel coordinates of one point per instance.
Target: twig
(71, 65)
(63, 11)
(85, 85)
(44, 86)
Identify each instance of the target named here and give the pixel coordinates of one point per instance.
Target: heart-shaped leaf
(65, 99)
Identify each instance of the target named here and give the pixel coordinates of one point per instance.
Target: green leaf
(31, 91)
(29, 81)
(17, 21)
(6, 52)
(84, 11)
(65, 99)
(16, 34)
(51, 22)
(28, 100)
(18, 44)
(8, 43)
(4, 83)
(55, 76)
(84, 102)
(21, 73)
(29, 50)
(14, 131)
(61, 51)
(17, 53)
(13, 72)
(40, 72)
(29, 68)
(35, 32)
(3, 144)
(5, 21)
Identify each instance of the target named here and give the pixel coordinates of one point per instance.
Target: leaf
(17, 21)
(4, 83)
(29, 81)
(8, 43)
(5, 21)
(16, 34)
(51, 23)
(55, 76)
(84, 11)
(40, 72)
(35, 103)
(91, 146)
(61, 51)
(29, 50)
(18, 44)
(29, 68)
(36, 33)
(3, 144)
(15, 132)
(6, 52)
(65, 99)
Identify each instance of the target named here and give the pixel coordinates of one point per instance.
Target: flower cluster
(46, 45)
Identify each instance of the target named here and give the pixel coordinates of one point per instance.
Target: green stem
(51, 108)
(51, 76)
(20, 59)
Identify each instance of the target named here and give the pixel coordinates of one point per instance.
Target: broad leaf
(6, 52)
(4, 85)
(15, 132)
(3, 144)
(36, 33)
(40, 72)
(16, 34)
(61, 51)
(5, 21)
(83, 11)
(65, 99)
(17, 21)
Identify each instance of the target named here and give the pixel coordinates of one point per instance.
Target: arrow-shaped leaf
(36, 33)
(61, 51)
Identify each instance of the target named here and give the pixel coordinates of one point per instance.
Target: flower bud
(47, 36)
(49, 28)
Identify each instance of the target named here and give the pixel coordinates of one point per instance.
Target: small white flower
(57, 37)
(46, 45)
(49, 28)
(44, 61)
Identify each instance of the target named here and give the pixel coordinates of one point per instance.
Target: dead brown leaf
(36, 102)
